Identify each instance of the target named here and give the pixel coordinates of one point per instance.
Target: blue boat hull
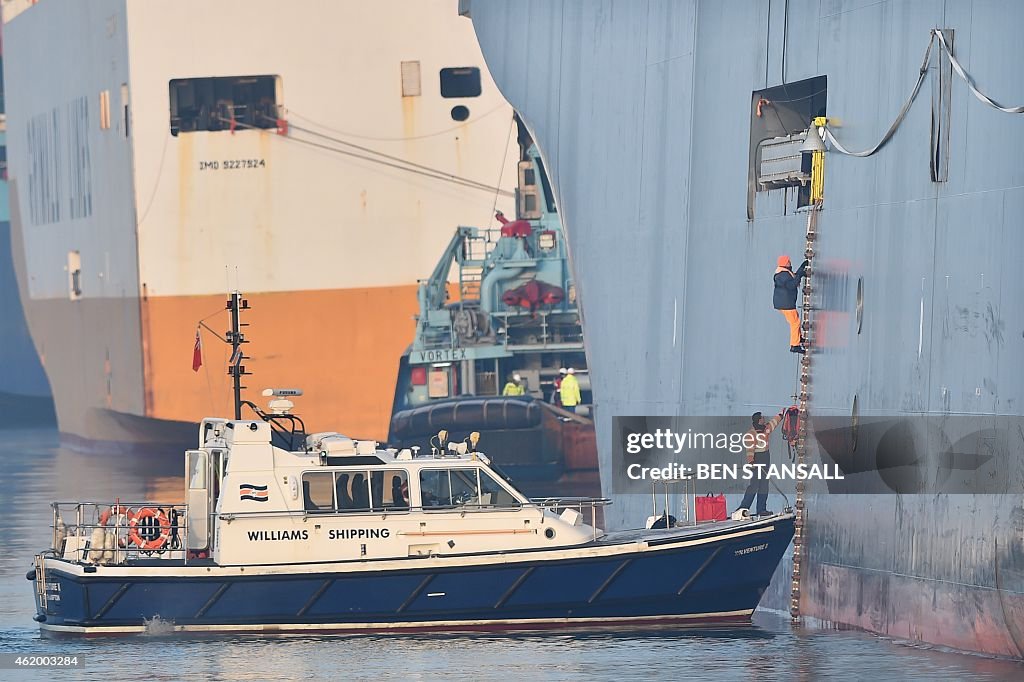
(714, 576)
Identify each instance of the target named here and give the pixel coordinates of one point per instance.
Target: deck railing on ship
(79, 532)
(590, 508)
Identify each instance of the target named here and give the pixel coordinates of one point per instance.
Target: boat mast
(236, 304)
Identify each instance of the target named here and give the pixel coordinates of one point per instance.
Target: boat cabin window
(318, 492)
(232, 103)
(390, 490)
(356, 491)
(197, 470)
(448, 488)
(493, 494)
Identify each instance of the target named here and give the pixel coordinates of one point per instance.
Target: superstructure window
(462, 81)
(318, 492)
(353, 490)
(231, 103)
(389, 490)
(448, 488)
(493, 494)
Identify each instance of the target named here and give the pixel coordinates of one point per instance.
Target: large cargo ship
(671, 131)
(315, 154)
(24, 391)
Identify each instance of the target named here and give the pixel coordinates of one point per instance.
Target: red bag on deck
(711, 508)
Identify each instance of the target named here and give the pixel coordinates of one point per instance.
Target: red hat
(784, 262)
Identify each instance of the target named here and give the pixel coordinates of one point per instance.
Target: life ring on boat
(116, 511)
(150, 529)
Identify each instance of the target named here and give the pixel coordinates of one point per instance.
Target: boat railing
(109, 534)
(587, 507)
(463, 508)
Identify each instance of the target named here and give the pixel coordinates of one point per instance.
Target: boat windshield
(450, 488)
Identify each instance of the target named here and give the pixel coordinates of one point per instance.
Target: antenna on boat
(235, 305)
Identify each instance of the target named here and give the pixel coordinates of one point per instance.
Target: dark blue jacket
(786, 285)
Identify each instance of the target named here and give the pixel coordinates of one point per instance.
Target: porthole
(460, 113)
(549, 533)
(860, 303)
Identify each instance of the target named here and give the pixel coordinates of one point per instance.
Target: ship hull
(713, 575)
(915, 275)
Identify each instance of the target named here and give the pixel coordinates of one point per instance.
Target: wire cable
(390, 157)
(970, 81)
(899, 117)
(501, 170)
(398, 163)
(943, 47)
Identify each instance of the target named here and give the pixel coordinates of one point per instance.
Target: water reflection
(37, 472)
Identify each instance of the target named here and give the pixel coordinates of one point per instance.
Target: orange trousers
(793, 317)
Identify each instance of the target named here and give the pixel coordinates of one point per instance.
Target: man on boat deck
(755, 455)
(786, 284)
(514, 386)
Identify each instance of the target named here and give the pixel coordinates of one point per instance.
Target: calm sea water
(36, 471)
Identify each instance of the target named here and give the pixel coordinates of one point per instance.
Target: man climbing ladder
(786, 285)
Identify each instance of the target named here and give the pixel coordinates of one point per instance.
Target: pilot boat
(287, 531)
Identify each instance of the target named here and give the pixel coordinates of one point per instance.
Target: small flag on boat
(197, 353)
(256, 493)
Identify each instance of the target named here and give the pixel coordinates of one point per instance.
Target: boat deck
(663, 535)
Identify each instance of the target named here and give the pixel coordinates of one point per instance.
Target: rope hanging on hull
(944, 47)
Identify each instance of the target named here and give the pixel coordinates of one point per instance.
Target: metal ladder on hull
(40, 565)
(803, 398)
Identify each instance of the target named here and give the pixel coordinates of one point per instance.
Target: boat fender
(97, 542)
(62, 533)
(109, 543)
(31, 575)
(741, 514)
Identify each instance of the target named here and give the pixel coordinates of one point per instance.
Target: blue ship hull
(713, 573)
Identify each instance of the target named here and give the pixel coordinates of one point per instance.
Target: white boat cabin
(255, 498)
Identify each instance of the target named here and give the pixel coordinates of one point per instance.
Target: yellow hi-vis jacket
(512, 388)
(570, 391)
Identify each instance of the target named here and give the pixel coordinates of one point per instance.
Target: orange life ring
(115, 511)
(150, 529)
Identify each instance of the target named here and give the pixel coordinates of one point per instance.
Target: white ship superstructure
(317, 154)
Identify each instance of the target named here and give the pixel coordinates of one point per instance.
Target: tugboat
(492, 346)
(287, 531)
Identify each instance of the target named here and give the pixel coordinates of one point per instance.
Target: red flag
(197, 353)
